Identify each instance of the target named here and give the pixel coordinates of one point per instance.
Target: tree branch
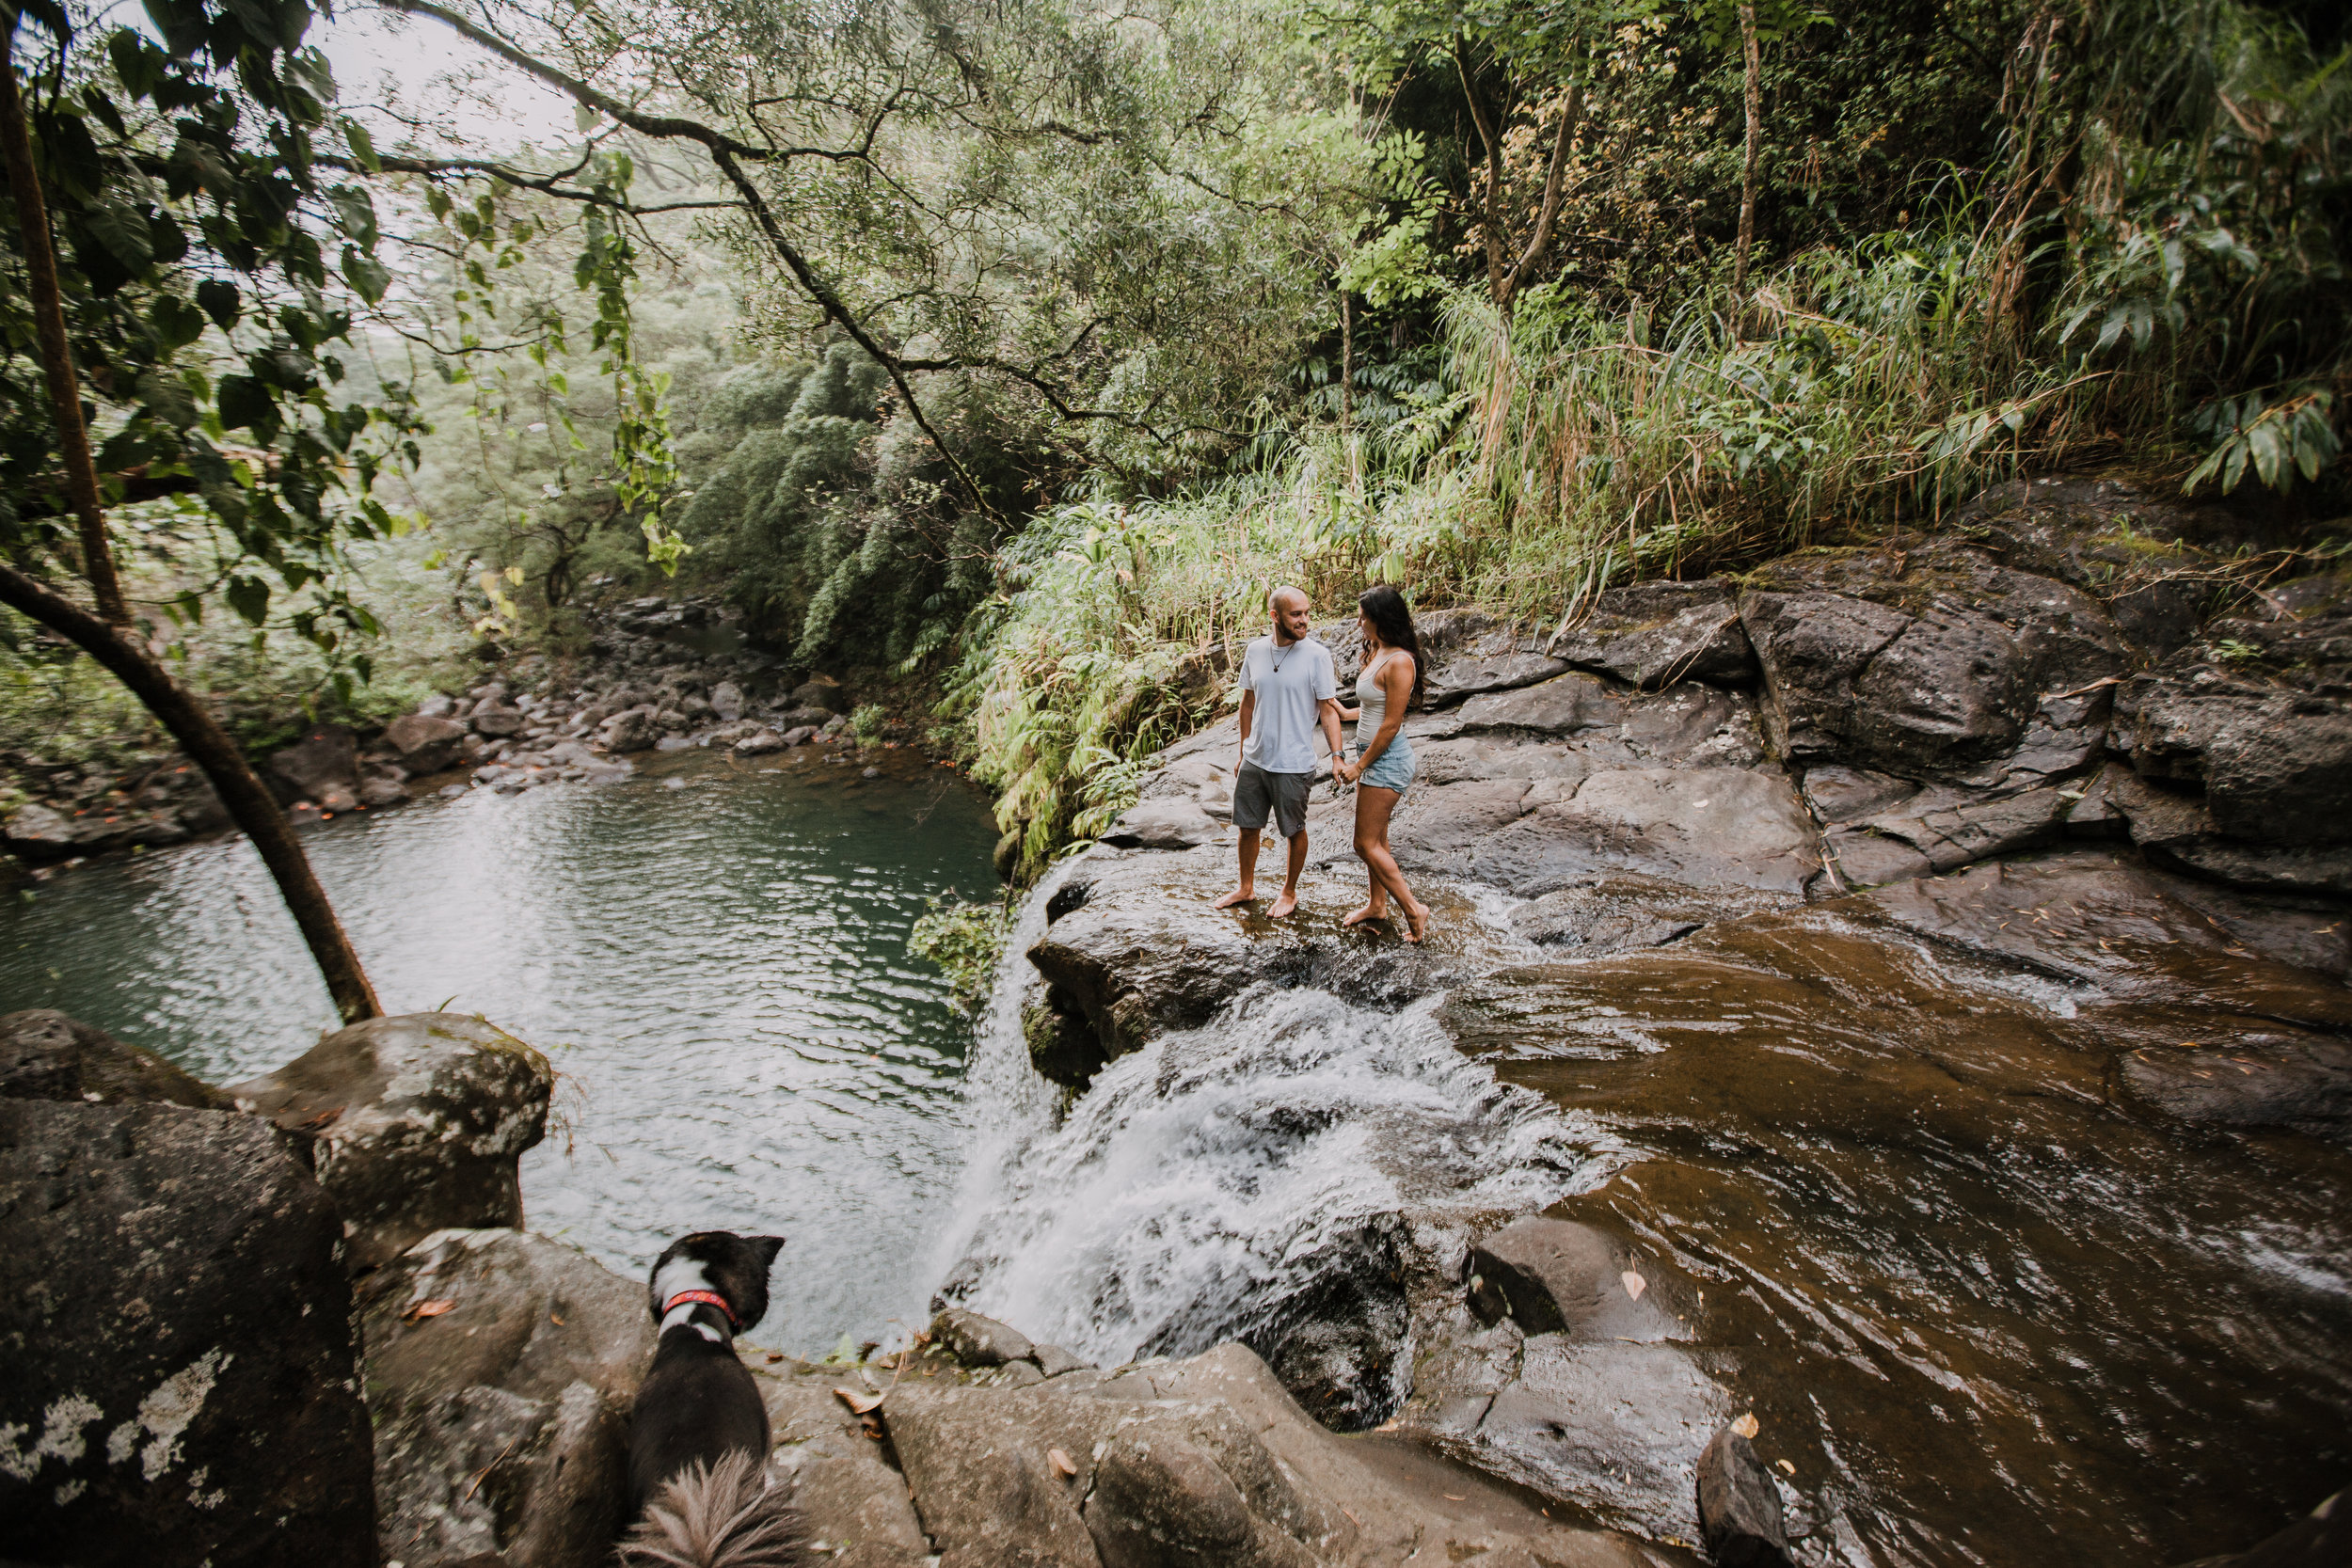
(248, 802)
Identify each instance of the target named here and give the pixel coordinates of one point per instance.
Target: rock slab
(176, 1377)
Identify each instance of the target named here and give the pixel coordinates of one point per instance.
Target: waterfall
(1220, 1177)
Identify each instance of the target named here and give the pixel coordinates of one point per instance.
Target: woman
(1380, 762)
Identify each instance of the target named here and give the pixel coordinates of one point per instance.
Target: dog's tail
(719, 1516)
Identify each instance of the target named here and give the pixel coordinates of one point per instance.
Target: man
(1288, 685)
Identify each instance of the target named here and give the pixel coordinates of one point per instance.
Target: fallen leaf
(1061, 1462)
(556, 1318)
(1454, 1496)
(1786, 1465)
(859, 1403)
(1747, 1425)
(775, 1356)
(428, 1309)
(1388, 1425)
(1634, 1284)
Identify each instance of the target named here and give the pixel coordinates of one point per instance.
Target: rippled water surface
(719, 971)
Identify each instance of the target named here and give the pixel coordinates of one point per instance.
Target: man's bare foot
(1239, 895)
(1417, 922)
(1283, 905)
(1356, 917)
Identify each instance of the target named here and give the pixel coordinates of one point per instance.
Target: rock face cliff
(1884, 911)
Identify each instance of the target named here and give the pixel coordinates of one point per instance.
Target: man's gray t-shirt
(1292, 685)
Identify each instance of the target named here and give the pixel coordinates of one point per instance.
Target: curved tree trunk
(248, 802)
(105, 636)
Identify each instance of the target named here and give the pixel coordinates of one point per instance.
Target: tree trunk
(1755, 72)
(249, 803)
(105, 636)
(57, 353)
(1347, 361)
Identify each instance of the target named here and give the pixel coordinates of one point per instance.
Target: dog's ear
(765, 1249)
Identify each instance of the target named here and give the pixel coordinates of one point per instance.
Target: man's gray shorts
(1257, 793)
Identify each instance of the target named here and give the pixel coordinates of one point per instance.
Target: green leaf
(220, 301)
(168, 398)
(245, 402)
(249, 597)
(362, 145)
(122, 229)
(175, 322)
(368, 277)
(357, 212)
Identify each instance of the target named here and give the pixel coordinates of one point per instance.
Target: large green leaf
(122, 229)
(246, 404)
(368, 277)
(249, 597)
(220, 301)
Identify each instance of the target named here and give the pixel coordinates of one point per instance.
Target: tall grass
(1852, 390)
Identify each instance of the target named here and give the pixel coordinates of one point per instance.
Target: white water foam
(1213, 1172)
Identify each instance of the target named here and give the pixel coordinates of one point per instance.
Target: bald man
(1289, 688)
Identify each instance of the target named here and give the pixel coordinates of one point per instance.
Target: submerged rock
(177, 1376)
(417, 1121)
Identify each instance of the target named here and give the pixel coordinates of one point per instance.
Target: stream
(718, 972)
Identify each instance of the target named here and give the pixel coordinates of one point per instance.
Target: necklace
(1275, 660)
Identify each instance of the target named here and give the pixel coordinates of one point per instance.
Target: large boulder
(323, 766)
(496, 720)
(631, 730)
(1653, 634)
(1926, 663)
(176, 1377)
(500, 1367)
(47, 1056)
(726, 701)
(423, 742)
(1468, 652)
(418, 1122)
(821, 692)
(1199, 1463)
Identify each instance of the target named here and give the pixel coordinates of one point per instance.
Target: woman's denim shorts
(1393, 771)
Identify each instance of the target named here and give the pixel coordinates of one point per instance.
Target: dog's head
(730, 1266)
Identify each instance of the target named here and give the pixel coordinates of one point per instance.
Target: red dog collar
(707, 1298)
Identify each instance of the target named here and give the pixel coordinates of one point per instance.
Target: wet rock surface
(416, 1122)
(177, 1370)
(1924, 932)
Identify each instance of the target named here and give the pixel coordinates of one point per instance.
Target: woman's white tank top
(1371, 699)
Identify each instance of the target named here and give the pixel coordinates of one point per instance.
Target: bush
(964, 941)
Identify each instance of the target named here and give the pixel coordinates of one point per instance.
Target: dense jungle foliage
(1017, 350)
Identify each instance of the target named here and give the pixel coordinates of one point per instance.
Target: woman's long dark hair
(1385, 607)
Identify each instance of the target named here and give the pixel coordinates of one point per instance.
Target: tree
(185, 182)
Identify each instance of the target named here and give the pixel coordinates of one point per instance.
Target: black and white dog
(698, 1436)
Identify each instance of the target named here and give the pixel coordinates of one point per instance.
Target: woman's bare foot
(1417, 922)
(1282, 906)
(1239, 895)
(1356, 917)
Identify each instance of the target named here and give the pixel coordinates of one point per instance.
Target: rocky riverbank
(1926, 935)
(659, 675)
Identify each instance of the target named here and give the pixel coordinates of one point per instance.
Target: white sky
(383, 61)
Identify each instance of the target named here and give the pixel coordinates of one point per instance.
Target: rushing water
(719, 971)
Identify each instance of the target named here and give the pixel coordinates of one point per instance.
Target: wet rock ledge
(294, 1321)
(1995, 880)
